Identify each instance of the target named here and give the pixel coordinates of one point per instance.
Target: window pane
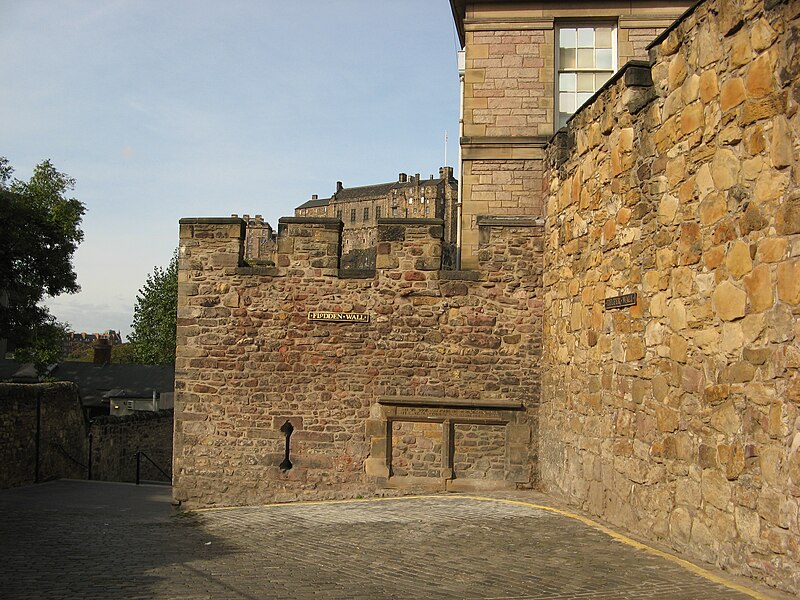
(566, 82)
(602, 37)
(568, 38)
(582, 97)
(586, 82)
(585, 58)
(601, 78)
(562, 119)
(585, 37)
(566, 103)
(605, 59)
(566, 58)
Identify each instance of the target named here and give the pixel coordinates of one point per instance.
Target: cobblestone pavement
(72, 539)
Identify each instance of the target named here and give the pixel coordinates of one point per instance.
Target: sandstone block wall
(372, 405)
(678, 417)
(61, 427)
(509, 96)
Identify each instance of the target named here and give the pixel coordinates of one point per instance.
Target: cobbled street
(73, 539)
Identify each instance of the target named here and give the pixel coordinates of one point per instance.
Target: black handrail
(139, 455)
(63, 451)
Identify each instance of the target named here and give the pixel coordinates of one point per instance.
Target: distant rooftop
(378, 190)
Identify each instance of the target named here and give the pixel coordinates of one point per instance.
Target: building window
(366, 213)
(352, 215)
(339, 214)
(587, 57)
(377, 212)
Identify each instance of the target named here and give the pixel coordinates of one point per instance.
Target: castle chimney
(402, 178)
(416, 177)
(102, 352)
(339, 186)
(314, 197)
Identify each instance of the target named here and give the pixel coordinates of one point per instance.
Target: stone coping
(489, 403)
(410, 221)
(211, 221)
(665, 34)
(509, 221)
(636, 74)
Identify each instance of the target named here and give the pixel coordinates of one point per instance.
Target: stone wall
(52, 414)
(678, 417)
(439, 349)
(115, 441)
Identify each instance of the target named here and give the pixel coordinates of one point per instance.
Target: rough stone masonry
(438, 389)
(679, 417)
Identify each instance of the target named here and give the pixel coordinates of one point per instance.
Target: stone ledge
(509, 221)
(488, 403)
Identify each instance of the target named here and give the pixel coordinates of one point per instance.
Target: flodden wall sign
(339, 317)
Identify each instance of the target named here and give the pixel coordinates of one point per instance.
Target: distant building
(260, 240)
(126, 402)
(112, 336)
(409, 197)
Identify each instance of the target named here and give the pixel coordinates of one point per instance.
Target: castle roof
(314, 203)
(364, 191)
(377, 190)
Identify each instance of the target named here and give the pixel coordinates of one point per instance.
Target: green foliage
(122, 354)
(44, 345)
(152, 337)
(40, 229)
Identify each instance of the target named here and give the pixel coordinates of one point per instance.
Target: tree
(155, 317)
(40, 228)
(45, 347)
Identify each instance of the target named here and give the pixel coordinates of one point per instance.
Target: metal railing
(139, 455)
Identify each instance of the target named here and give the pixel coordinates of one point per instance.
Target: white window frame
(600, 22)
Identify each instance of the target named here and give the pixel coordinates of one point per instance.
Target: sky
(164, 109)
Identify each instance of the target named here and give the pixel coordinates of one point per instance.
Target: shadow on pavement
(83, 539)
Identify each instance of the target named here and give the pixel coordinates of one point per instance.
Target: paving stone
(90, 540)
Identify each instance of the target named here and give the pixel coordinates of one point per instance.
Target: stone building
(410, 197)
(259, 243)
(624, 332)
(528, 66)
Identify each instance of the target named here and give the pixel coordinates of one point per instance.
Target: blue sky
(170, 109)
